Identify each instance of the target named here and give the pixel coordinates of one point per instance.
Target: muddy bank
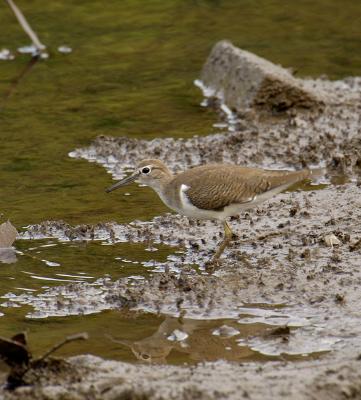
(287, 235)
(281, 260)
(282, 256)
(295, 264)
(93, 378)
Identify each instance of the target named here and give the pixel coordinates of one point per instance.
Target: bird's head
(153, 173)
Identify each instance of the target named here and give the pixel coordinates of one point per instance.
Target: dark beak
(123, 182)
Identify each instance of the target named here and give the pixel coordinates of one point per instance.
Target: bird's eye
(145, 170)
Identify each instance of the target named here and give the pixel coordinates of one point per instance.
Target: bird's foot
(213, 264)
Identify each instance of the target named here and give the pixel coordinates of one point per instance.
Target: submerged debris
(14, 351)
(16, 354)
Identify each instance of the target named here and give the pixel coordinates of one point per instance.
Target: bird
(214, 191)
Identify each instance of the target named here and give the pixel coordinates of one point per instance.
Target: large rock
(243, 80)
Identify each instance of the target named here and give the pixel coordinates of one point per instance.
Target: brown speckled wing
(213, 187)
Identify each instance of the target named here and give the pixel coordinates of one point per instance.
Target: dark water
(130, 73)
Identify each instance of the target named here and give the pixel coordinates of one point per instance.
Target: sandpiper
(214, 191)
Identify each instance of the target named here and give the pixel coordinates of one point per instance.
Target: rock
(7, 235)
(331, 240)
(243, 80)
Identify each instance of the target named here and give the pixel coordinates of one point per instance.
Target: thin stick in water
(25, 25)
(78, 336)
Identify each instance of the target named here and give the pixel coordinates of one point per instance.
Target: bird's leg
(228, 235)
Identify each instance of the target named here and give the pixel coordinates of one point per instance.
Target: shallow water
(130, 73)
(42, 263)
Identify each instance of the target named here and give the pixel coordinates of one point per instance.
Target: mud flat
(295, 265)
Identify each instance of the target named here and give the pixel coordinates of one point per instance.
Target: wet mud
(104, 379)
(295, 264)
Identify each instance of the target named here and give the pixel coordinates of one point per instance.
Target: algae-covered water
(130, 73)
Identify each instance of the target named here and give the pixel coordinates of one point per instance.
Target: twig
(25, 25)
(35, 54)
(78, 336)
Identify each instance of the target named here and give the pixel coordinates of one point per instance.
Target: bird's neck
(160, 185)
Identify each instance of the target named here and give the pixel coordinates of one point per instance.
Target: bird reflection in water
(191, 340)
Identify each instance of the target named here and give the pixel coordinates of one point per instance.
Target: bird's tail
(295, 177)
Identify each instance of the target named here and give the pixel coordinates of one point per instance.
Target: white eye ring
(145, 170)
